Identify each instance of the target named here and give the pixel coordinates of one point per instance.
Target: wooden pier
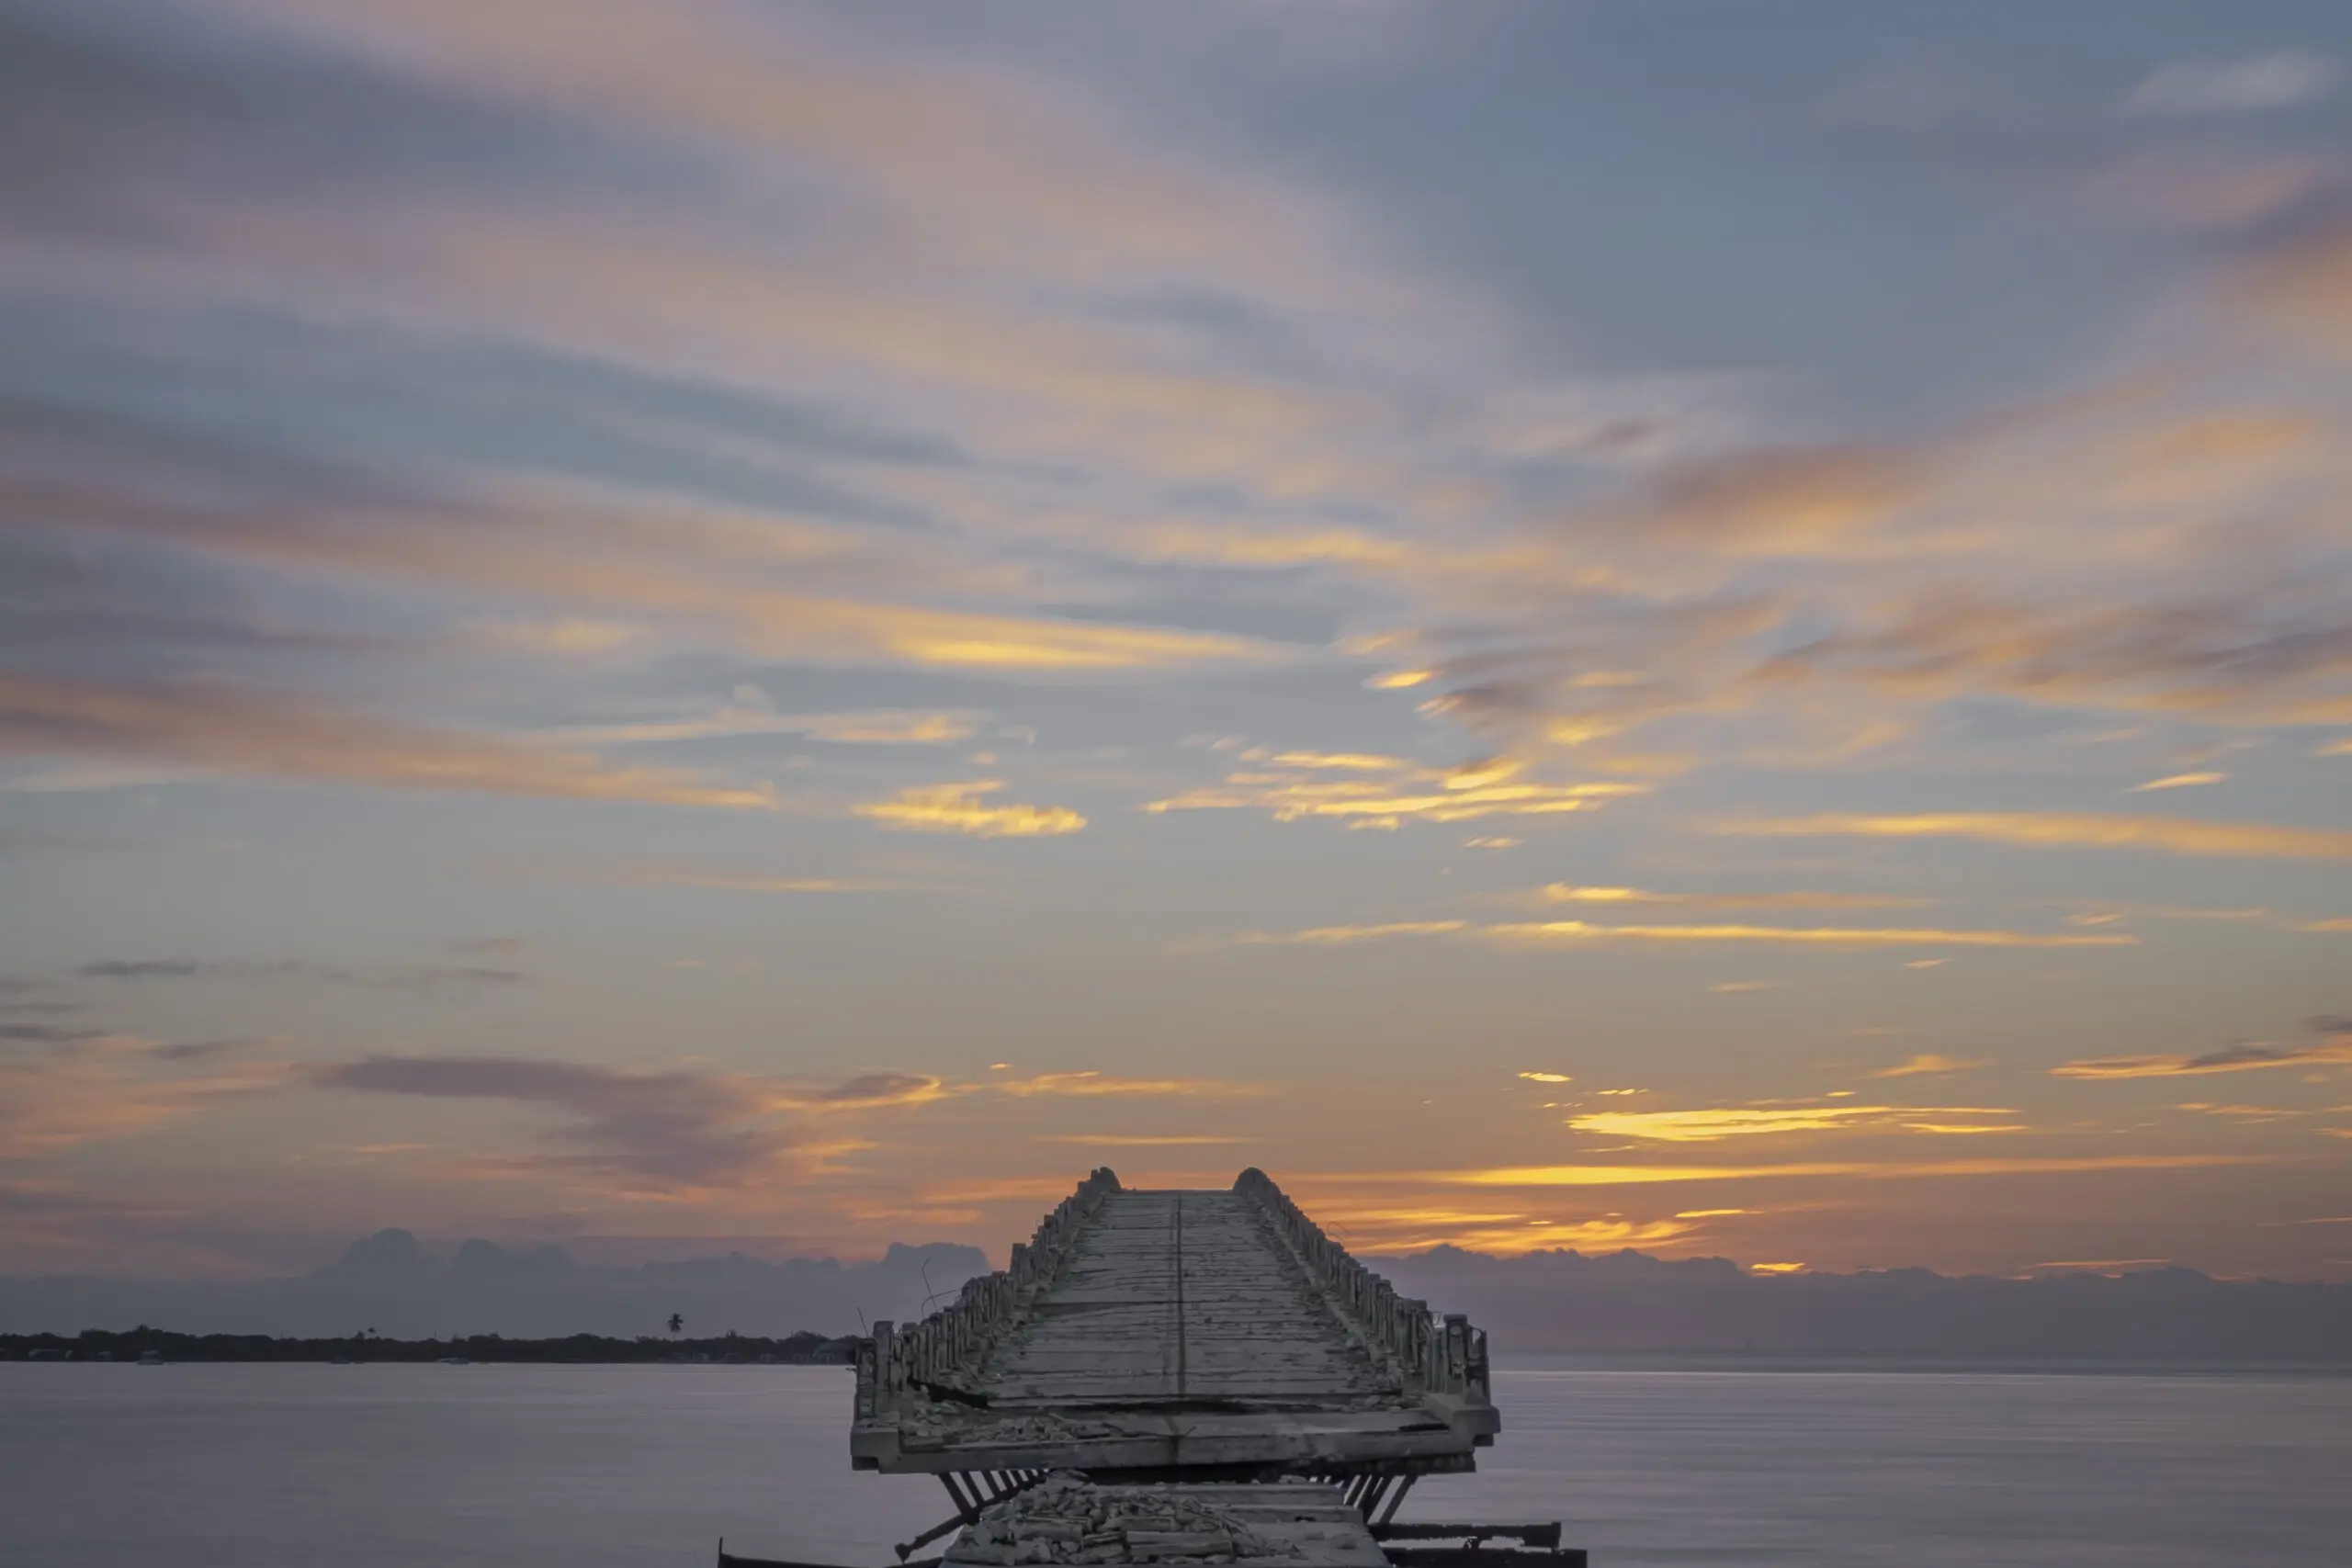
(1185, 1377)
(1195, 1332)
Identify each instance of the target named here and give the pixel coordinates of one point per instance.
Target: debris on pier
(1066, 1520)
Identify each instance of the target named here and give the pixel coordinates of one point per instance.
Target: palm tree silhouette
(677, 1324)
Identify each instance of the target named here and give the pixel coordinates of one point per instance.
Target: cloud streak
(1581, 934)
(1647, 1175)
(1714, 1125)
(1565, 892)
(1403, 792)
(2334, 1048)
(964, 809)
(2039, 829)
(256, 734)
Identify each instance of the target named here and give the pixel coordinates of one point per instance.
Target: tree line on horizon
(800, 1348)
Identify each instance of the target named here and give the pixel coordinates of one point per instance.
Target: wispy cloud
(662, 1129)
(432, 978)
(1927, 1065)
(1092, 1085)
(98, 1088)
(657, 873)
(1573, 934)
(222, 730)
(749, 712)
(1711, 1125)
(1405, 793)
(1565, 892)
(1339, 936)
(2177, 781)
(1577, 933)
(2172, 835)
(2242, 1113)
(1140, 1139)
(964, 809)
(1646, 1175)
(2245, 1057)
(2279, 81)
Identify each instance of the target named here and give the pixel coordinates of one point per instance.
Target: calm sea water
(645, 1467)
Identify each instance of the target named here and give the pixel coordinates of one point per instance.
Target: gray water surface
(645, 1467)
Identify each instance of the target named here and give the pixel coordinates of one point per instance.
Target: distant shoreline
(577, 1349)
(1912, 1362)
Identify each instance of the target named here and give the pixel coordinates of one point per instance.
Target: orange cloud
(1468, 792)
(1564, 893)
(94, 1087)
(2177, 781)
(1139, 1140)
(1706, 1126)
(1579, 931)
(1927, 1064)
(959, 808)
(1645, 1175)
(1352, 762)
(2174, 835)
(1336, 936)
(2244, 1058)
(1096, 1085)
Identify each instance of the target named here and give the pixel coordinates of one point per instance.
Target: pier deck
(1175, 1331)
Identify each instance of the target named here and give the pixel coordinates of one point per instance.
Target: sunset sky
(1719, 628)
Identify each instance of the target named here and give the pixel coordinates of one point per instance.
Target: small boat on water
(151, 1358)
(456, 1361)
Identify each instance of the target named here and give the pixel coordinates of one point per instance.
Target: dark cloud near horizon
(46, 1034)
(668, 1127)
(2246, 1054)
(881, 1088)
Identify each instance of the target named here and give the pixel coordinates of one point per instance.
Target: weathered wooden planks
(1174, 1329)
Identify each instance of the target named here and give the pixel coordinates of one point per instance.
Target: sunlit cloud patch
(965, 808)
